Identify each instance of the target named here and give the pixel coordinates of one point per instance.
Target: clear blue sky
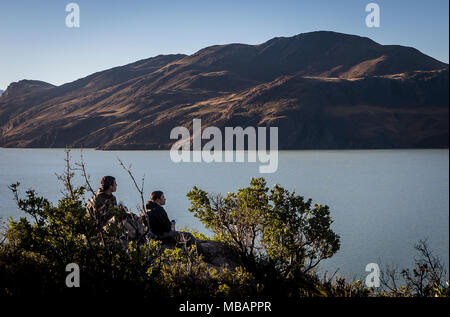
(36, 44)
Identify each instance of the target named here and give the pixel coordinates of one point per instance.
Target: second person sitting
(159, 222)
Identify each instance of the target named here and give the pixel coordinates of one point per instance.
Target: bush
(279, 236)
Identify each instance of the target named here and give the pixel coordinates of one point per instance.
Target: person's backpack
(135, 228)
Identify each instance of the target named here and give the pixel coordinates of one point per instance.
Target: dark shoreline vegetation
(276, 239)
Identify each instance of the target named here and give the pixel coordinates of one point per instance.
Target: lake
(382, 201)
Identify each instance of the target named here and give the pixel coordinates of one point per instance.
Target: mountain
(1, 92)
(324, 90)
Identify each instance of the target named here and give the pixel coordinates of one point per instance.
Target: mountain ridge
(135, 106)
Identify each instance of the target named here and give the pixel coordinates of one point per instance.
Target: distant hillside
(324, 90)
(1, 92)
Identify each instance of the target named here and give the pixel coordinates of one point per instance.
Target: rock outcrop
(215, 254)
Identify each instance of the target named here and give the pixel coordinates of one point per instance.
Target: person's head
(158, 197)
(108, 184)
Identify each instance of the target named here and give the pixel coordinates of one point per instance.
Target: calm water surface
(382, 201)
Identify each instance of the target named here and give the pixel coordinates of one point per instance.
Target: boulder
(215, 254)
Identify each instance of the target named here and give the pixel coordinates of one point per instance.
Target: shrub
(279, 236)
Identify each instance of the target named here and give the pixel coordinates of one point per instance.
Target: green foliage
(282, 227)
(425, 279)
(197, 235)
(61, 235)
(341, 288)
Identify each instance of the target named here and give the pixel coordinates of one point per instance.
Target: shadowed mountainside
(324, 90)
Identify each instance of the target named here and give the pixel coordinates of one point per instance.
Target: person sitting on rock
(100, 205)
(159, 222)
(100, 208)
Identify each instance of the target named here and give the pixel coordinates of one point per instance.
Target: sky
(35, 42)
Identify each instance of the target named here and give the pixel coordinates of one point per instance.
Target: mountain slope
(323, 90)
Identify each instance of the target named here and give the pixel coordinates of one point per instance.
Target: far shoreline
(279, 150)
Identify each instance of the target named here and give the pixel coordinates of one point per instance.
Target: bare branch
(67, 175)
(139, 189)
(82, 167)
